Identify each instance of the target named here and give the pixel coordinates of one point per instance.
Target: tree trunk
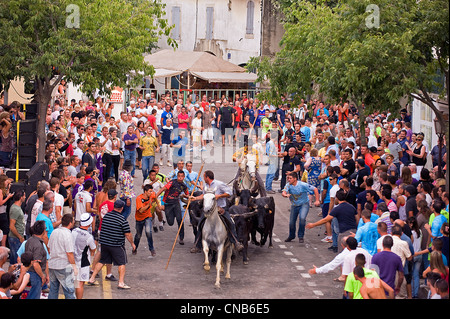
(43, 97)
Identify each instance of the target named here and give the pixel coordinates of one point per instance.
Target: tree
(94, 44)
(370, 52)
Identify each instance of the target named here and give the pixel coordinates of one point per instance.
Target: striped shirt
(114, 228)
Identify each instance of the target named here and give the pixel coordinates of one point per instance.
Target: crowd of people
(380, 202)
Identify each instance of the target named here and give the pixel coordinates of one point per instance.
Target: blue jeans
(417, 262)
(131, 155)
(141, 225)
(36, 286)
(269, 180)
(335, 231)
(63, 277)
(147, 164)
(301, 212)
(126, 209)
(14, 244)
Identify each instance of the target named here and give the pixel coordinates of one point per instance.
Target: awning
(234, 77)
(164, 73)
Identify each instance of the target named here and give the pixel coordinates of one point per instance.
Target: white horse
(215, 235)
(246, 176)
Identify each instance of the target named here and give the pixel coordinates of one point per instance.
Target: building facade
(230, 29)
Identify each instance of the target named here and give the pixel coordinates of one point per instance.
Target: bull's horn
(250, 214)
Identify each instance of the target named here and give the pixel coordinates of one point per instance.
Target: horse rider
(238, 156)
(222, 191)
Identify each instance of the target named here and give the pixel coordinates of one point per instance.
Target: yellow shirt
(322, 152)
(252, 151)
(148, 144)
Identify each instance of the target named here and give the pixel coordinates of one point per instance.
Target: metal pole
(441, 142)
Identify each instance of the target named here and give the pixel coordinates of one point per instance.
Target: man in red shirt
(237, 116)
(368, 159)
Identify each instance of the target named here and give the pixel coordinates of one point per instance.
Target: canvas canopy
(220, 77)
(204, 65)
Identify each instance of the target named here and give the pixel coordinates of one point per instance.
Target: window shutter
(176, 16)
(250, 17)
(209, 22)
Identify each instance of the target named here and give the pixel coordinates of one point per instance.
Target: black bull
(259, 216)
(264, 220)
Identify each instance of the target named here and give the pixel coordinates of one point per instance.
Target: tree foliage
(341, 46)
(94, 44)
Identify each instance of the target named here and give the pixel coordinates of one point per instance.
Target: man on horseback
(250, 154)
(222, 191)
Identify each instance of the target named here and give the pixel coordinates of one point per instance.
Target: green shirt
(16, 213)
(352, 285)
(265, 125)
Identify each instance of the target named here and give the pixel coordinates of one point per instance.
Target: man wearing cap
(84, 245)
(107, 205)
(115, 229)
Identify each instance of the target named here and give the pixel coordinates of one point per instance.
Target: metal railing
(195, 94)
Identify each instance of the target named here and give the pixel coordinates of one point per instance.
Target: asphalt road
(280, 272)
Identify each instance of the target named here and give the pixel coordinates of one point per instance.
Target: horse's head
(243, 164)
(209, 202)
(251, 165)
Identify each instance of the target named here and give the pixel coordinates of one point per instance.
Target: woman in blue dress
(313, 166)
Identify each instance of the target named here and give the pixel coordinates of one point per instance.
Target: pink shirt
(183, 117)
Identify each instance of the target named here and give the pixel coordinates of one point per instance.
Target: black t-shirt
(174, 190)
(360, 178)
(411, 205)
(77, 114)
(291, 164)
(350, 166)
(226, 114)
(244, 125)
(345, 214)
(286, 149)
(91, 161)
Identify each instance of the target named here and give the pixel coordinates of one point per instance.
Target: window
(176, 17)
(209, 22)
(250, 17)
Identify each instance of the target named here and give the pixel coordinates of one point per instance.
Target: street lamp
(440, 131)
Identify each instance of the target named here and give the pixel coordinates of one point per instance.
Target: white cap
(86, 219)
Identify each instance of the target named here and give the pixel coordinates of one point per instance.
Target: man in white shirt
(58, 203)
(336, 262)
(83, 201)
(82, 239)
(400, 247)
(61, 260)
(372, 141)
(142, 112)
(349, 260)
(78, 150)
